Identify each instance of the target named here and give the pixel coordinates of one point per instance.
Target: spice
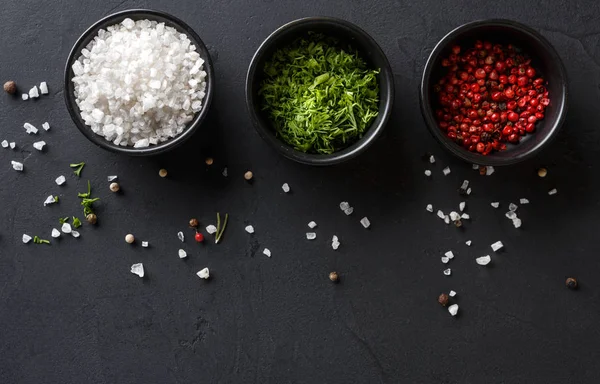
(87, 201)
(482, 169)
(10, 87)
(333, 276)
(443, 299)
(248, 175)
(78, 167)
(194, 223)
(220, 228)
(129, 239)
(319, 94)
(571, 283)
(209, 161)
(114, 187)
(162, 172)
(199, 237)
(91, 218)
(76, 222)
(542, 172)
(458, 223)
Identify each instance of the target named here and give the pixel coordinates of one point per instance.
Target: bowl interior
(138, 14)
(347, 34)
(546, 62)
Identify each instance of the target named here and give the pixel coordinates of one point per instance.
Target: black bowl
(116, 18)
(346, 33)
(546, 62)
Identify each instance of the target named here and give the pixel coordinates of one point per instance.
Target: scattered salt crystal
(225, 172)
(489, 170)
(145, 244)
(66, 228)
(344, 205)
(335, 245)
(440, 214)
(468, 242)
(349, 211)
(445, 260)
(446, 219)
(60, 180)
(495, 204)
(517, 222)
(449, 255)
(512, 207)
(44, 88)
(249, 229)
(211, 229)
(453, 309)
(203, 273)
(523, 200)
(26, 238)
(429, 208)
(427, 172)
(552, 192)
(451, 293)
(511, 215)
(39, 145)
(12, 145)
(4, 144)
(49, 200)
(462, 206)
(180, 236)
(111, 178)
(431, 159)
(447, 272)
(24, 96)
(285, 187)
(497, 245)
(465, 216)
(454, 216)
(30, 128)
(311, 235)
(365, 222)
(475, 167)
(312, 225)
(55, 233)
(142, 143)
(267, 252)
(465, 184)
(483, 260)
(33, 92)
(182, 254)
(75, 233)
(138, 269)
(46, 126)
(446, 171)
(334, 238)
(17, 166)
(469, 191)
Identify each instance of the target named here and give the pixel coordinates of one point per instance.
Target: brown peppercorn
(248, 175)
(443, 299)
(333, 276)
(458, 223)
(162, 172)
(482, 170)
(91, 218)
(194, 223)
(209, 161)
(571, 283)
(10, 87)
(114, 187)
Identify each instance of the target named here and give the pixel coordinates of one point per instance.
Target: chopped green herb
(78, 167)
(63, 220)
(56, 199)
(87, 200)
(220, 229)
(37, 240)
(320, 97)
(76, 222)
(87, 194)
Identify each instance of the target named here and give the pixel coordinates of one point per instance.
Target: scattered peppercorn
(199, 237)
(443, 299)
(209, 161)
(10, 87)
(162, 172)
(333, 276)
(482, 170)
(542, 172)
(458, 223)
(114, 187)
(194, 223)
(571, 283)
(129, 238)
(248, 175)
(91, 218)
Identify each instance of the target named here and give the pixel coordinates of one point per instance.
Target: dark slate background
(73, 313)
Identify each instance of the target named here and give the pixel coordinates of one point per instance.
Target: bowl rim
(171, 143)
(427, 111)
(347, 153)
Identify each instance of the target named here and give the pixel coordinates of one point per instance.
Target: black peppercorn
(571, 283)
(443, 299)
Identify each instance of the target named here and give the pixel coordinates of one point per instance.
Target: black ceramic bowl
(347, 34)
(546, 62)
(116, 18)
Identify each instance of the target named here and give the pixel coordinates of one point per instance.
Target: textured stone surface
(73, 313)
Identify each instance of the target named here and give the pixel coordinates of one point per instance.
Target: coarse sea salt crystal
(365, 222)
(44, 88)
(55, 233)
(4, 144)
(225, 172)
(497, 245)
(249, 229)
(145, 244)
(180, 236)
(138, 269)
(311, 235)
(449, 255)
(46, 126)
(49, 200)
(552, 192)
(447, 272)
(454, 216)
(447, 219)
(465, 184)
(465, 216)
(30, 128)
(475, 166)
(427, 172)
(511, 215)
(468, 242)
(489, 170)
(66, 228)
(431, 159)
(312, 225)
(523, 200)
(39, 145)
(469, 191)
(267, 252)
(335, 245)
(462, 206)
(453, 309)
(495, 204)
(440, 214)
(349, 211)
(182, 254)
(517, 222)
(33, 92)
(24, 96)
(285, 187)
(445, 260)
(60, 180)
(112, 178)
(451, 293)
(17, 166)
(334, 238)
(429, 208)
(446, 171)
(12, 145)
(512, 207)
(211, 229)
(203, 273)
(26, 238)
(344, 205)
(75, 233)
(483, 260)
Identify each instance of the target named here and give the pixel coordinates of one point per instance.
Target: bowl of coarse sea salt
(138, 82)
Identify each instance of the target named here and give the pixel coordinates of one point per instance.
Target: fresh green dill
(76, 222)
(87, 201)
(78, 167)
(320, 97)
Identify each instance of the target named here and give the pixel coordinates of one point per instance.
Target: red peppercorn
(513, 138)
(512, 79)
(530, 128)
(480, 147)
(509, 93)
(507, 131)
(497, 96)
(522, 81)
(480, 73)
(199, 237)
(530, 72)
(512, 116)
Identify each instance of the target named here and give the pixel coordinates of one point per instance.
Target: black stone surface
(72, 312)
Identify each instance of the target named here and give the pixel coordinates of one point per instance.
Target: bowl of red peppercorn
(494, 92)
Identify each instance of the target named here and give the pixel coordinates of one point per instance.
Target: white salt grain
(182, 254)
(17, 166)
(429, 208)
(66, 228)
(26, 238)
(12, 145)
(469, 191)
(489, 170)
(334, 239)
(44, 88)
(451, 293)
(446, 171)
(55, 233)
(440, 214)
(511, 215)
(497, 245)
(468, 242)
(180, 236)
(344, 205)
(4, 144)
(427, 172)
(312, 225)
(523, 201)
(46, 126)
(431, 159)
(349, 211)
(517, 222)
(453, 309)
(465, 216)
(446, 219)
(49, 200)
(454, 216)
(449, 255)
(483, 260)
(447, 272)
(552, 192)
(203, 273)
(75, 233)
(225, 172)
(495, 204)
(475, 166)
(335, 245)
(39, 145)
(462, 206)
(465, 184)
(24, 96)
(512, 207)
(445, 260)
(30, 128)
(211, 229)
(145, 244)
(33, 92)
(365, 222)
(111, 178)
(249, 229)
(138, 269)
(311, 235)
(285, 187)
(60, 180)
(267, 252)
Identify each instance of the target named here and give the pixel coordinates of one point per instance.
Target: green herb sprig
(78, 167)
(38, 240)
(76, 222)
(87, 201)
(220, 229)
(63, 220)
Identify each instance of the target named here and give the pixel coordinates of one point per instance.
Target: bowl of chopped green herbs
(319, 90)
